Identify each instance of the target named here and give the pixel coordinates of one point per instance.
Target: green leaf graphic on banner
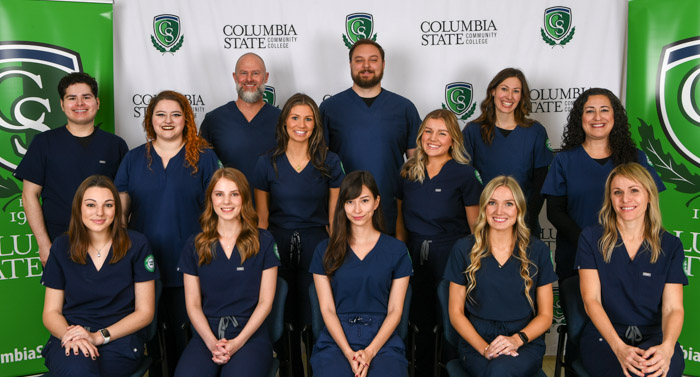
(568, 37)
(669, 170)
(547, 39)
(157, 45)
(178, 45)
(8, 187)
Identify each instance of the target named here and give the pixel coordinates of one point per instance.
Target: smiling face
(300, 123)
(507, 94)
(598, 118)
(226, 200)
(80, 105)
(436, 140)
(501, 210)
(366, 66)
(250, 78)
(168, 120)
(98, 209)
(360, 210)
(629, 198)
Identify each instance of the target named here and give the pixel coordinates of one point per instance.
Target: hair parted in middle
(248, 241)
(607, 217)
(317, 144)
(414, 168)
(350, 189)
(194, 144)
(521, 235)
(487, 119)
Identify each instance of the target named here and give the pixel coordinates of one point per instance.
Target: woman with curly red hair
(161, 185)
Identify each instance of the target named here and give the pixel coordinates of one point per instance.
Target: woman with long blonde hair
(230, 275)
(438, 203)
(504, 276)
(632, 278)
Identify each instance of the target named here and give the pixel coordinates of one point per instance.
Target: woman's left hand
(503, 345)
(658, 360)
(364, 357)
(75, 332)
(226, 349)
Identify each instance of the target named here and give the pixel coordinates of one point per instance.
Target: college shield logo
(459, 99)
(557, 26)
(558, 311)
(358, 26)
(166, 29)
(678, 96)
(30, 74)
(269, 95)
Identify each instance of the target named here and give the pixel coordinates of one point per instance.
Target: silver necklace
(99, 251)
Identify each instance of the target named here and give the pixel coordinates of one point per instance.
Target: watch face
(105, 333)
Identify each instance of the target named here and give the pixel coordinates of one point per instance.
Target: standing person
(59, 160)
(100, 289)
(504, 276)
(596, 139)
(243, 130)
(504, 141)
(230, 274)
(369, 127)
(438, 203)
(361, 277)
(161, 185)
(632, 279)
(296, 190)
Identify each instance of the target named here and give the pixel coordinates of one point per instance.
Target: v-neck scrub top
(373, 138)
(98, 299)
(581, 179)
(297, 199)
(165, 202)
(227, 286)
(518, 154)
(57, 161)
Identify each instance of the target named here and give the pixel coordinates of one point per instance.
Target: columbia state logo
(358, 26)
(557, 30)
(478, 176)
(167, 33)
(276, 250)
(269, 95)
(459, 98)
(149, 263)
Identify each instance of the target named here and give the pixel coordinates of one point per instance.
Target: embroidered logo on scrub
(149, 263)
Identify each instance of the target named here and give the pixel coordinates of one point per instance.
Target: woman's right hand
(631, 359)
(74, 332)
(351, 356)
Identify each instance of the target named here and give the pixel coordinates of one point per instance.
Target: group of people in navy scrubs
(462, 207)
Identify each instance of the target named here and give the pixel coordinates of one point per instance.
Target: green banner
(663, 103)
(40, 42)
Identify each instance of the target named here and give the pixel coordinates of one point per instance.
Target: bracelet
(523, 337)
(484, 353)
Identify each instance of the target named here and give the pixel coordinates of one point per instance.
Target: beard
(248, 96)
(369, 82)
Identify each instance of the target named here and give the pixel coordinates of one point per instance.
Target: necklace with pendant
(99, 251)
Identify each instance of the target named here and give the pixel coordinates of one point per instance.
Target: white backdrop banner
(563, 47)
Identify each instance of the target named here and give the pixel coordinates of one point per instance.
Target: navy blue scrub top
(227, 286)
(297, 199)
(436, 206)
(363, 286)
(98, 299)
(518, 154)
(500, 291)
(165, 203)
(57, 161)
(631, 290)
(237, 142)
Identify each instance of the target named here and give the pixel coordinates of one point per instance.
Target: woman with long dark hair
(296, 189)
(230, 275)
(632, 278)
(504, 141)
(438, 203)
(504, 276)
(100, 289)
(161, 185)
(361, 277)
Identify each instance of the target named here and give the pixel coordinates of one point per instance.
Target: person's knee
(73, 365)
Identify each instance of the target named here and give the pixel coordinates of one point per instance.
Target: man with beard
(371, 128)
(242, 130)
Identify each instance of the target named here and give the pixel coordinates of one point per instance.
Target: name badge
(438, 190)
(646, 274)
(240, 268)
(103, 162)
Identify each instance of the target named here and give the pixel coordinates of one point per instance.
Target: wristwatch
(523, 337)
(105, 335)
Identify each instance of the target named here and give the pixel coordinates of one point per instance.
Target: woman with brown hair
(230, 275)
(161, 185)
(99, 281)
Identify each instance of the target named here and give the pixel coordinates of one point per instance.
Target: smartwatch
(105, 335)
